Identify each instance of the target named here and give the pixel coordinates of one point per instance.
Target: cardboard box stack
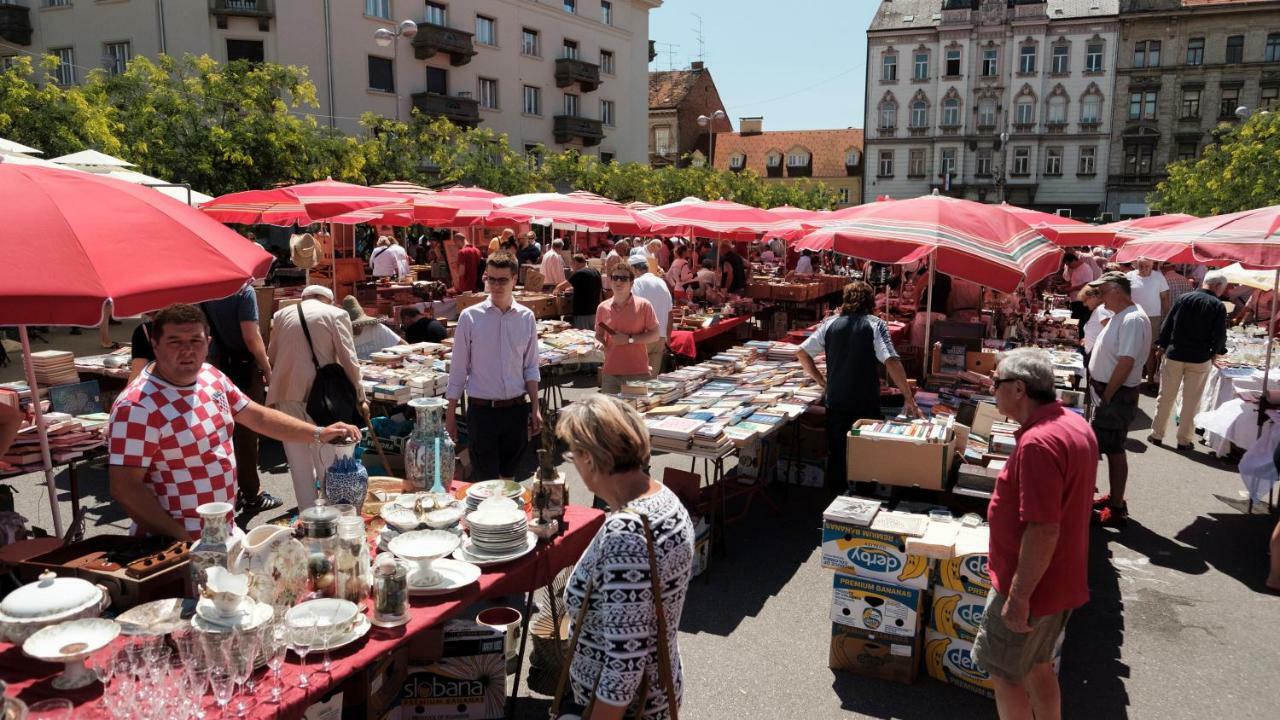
(960, 585)
(915, 453)
(464, 679)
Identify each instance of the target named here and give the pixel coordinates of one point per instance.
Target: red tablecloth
(31, 680)
(685, 342)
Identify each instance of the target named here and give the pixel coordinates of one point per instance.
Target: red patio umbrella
(1049, 224)
(1247, 237)
(714, 218)
(450, 208)
(299, 204)
(75, 240)
(1118, 233)
(576, 208)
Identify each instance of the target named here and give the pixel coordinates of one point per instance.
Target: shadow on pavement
(924, 700)
(1159, 550)
(1092, 674)
(1233, 544)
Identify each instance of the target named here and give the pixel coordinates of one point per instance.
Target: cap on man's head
(319, 291)
(1118, 278)
(637, 258)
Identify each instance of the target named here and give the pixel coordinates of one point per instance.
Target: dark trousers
(497, 437)
(838, 424)
(244, 440)
(1080, 312)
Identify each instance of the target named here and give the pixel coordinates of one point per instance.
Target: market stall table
(685, 342)
(31, 680)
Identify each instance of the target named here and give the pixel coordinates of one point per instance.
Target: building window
(1027, 59)
(953, 63)
(889, 68)
(606, 12)
(1229, 102)
(888, 116)
(488, 93)
(436, 14)
(1057, 110)
(65, 73)
(1061, 59)
(1195, 51)
(951, 113)
(1026, 111)
(947, 166)
(117, 57)
(533, 153)
(1093, 58)
(1088, 161)
(1190, 104)
(606, 157)
(919, 114)
(1268, 100)
(1053, 161)
(662, 140)
(569, 50)
(983, 162)
(571, 105)
(53, 4)
(921, 71)
(990, 62)
(437, 81)
(1235, 49)
(915, 163)
(606, 62)
(886, 164)
(486, 30)
(251, 50)
(378, 8)
(1272, 51)
(1137, 159)
(571, 6)
(382, 76)
(774, 160)
(842, 195)
(798, 159)
(852, 158)
(1091, 109)
(606, 112)
(987, 112)
(7, 62)
(532, 100)
(1142, 105)
(738, 161)
(1188, 151)
(1022, 161)
(1146, 54)
(530, 42)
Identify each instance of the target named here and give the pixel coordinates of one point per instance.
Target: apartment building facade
(992, 100)
(1184, 68)
(558, 73)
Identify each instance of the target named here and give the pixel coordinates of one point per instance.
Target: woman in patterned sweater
(618, 644)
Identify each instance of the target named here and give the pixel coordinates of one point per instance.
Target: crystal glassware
(302, 637)
(275, 645)
(55, 709)
(242, 654)
(224, 686)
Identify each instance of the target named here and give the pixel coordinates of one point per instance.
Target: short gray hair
(557, 243)
(1033, 367)
(1215, 278)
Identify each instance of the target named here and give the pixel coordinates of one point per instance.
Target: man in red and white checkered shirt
(171, 430)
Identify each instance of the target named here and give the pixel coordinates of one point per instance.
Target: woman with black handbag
(625, 659)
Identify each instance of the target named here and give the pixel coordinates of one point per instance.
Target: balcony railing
(15, 23)
(568, 127)
(572, 70)
(432, 39)
(458, 110)
(262, 10)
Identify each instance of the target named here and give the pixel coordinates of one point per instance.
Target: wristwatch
(315, 435)
(631, 339)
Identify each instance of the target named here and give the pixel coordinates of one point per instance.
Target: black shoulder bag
(332, 398)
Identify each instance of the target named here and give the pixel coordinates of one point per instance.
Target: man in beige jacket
(293, 372)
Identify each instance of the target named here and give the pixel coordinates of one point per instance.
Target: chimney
(751, 125)
(696, 65)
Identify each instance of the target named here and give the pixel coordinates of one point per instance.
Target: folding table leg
(524, 639)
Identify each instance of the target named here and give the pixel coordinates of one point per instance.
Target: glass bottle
(320, 535)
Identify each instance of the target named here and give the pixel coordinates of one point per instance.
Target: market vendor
(856, 343)
(170, 442)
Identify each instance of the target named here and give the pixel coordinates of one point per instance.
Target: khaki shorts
(1011, 655)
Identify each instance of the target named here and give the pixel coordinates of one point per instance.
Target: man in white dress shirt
(655, 290)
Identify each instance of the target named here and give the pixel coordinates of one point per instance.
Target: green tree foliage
(241, 126)
(1240, 171)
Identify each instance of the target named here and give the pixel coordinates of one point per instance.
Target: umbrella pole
(42, 430)
(928, 324)
(1266, 370)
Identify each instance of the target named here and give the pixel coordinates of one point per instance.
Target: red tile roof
(668, 87)
(827, 147)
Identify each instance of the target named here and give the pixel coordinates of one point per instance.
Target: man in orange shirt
(626, 324)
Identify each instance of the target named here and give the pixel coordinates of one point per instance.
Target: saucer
(357, 631)
(261, 613)
(453, 574)
(207, 610)
(465, 554)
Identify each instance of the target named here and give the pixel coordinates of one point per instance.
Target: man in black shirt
(1193, 333)
(421, 328)
(528, 254)
(587, 285)
(733, 270)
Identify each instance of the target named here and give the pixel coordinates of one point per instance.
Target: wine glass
(55, 709)
(242, 654)
(275, 644)
(224, 685)
(302, 636)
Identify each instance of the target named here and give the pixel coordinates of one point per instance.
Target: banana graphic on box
(916, 567)
(934, 650)
(944, 609)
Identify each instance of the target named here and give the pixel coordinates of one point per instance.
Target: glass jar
(320, 536)
(353, 562)
(390, 592)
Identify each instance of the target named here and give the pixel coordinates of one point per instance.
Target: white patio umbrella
(9, 147)
(92, 158)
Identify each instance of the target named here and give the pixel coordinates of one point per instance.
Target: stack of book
(673, 433)
(915, 430)
(69, 438)
(54, 367)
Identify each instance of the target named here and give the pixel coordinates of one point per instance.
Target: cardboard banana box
(950, 660)
(872, 555)
(876, 607)
(878, 656)
(967, 570)
(956, 614)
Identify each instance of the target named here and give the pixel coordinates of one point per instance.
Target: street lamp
(706, 122)
(386, 37)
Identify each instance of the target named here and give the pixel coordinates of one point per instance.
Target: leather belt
(511, 402)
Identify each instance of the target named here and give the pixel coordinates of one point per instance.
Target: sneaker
(1111, 516)
(1102, 502)
(264, 501)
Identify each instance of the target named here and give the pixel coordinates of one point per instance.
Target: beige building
(831, 157)
(562, 73)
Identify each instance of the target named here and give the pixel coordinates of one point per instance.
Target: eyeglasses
(1001, 381)
(497, 280)
(620, 278)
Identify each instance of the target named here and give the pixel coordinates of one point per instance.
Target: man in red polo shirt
(1039, 518)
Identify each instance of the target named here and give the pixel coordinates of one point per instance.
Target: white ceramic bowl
(329, 615)
(400, 517)
(444, 518)
(70, 643)
(423, 546)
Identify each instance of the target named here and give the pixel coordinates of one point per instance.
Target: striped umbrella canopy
(1118, 233)
(404, 187)
(1049, 224)
(638, 206)
(456, 207)
(470, 192)
(577, 208)
(298, 204)
(1247, 237)
(715, 218)
(969, 240)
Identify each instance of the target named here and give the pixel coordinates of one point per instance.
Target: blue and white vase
(429, 451)
(346, 480)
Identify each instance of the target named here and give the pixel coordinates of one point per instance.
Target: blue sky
(799, 63)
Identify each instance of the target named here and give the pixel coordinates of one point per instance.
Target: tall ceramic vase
(346, 480)
(428, 451)
(213, 547)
